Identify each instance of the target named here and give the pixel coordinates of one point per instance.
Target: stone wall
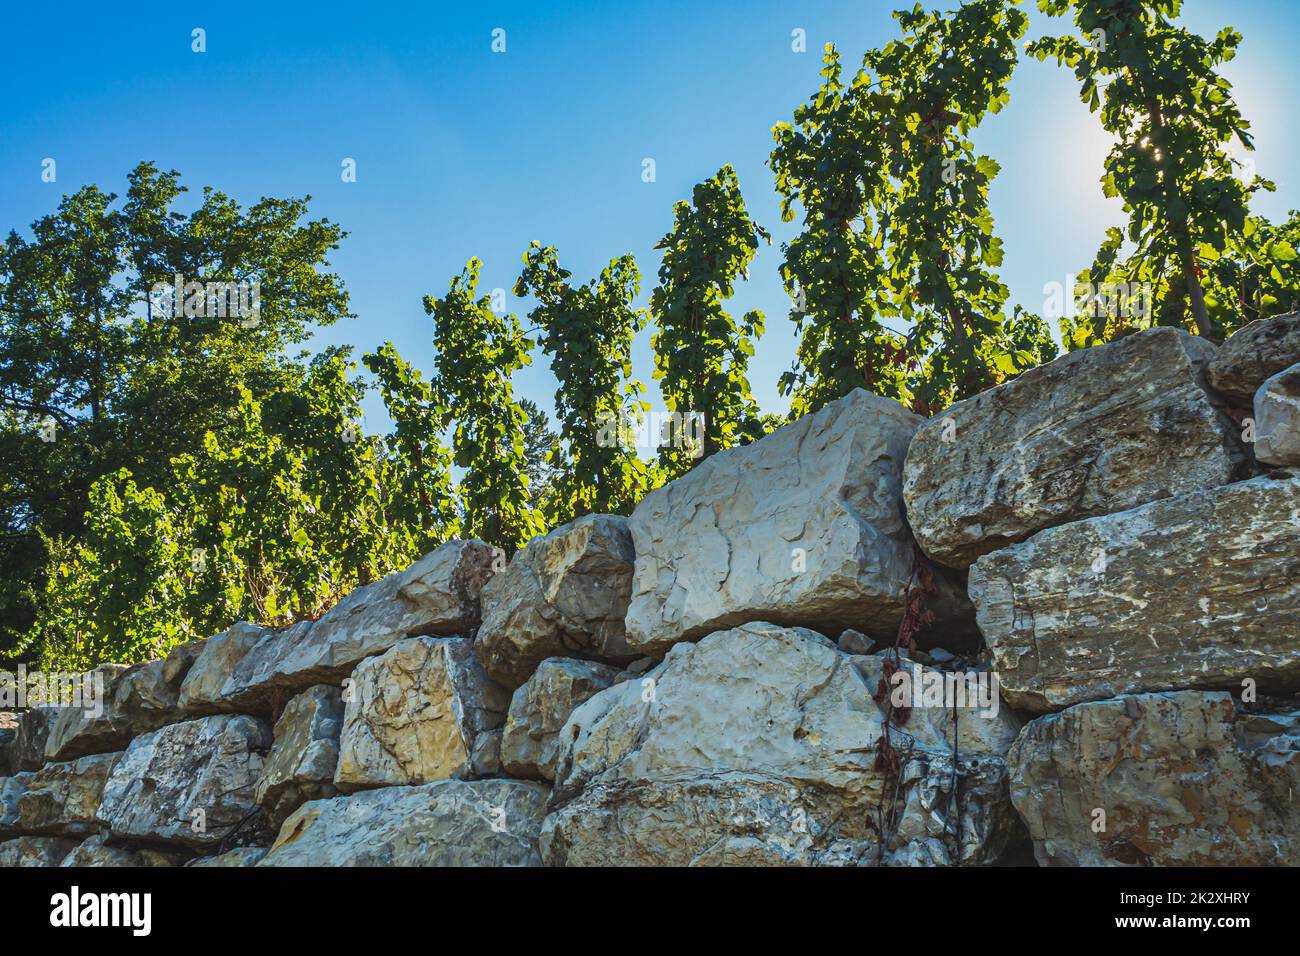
(1059, 622)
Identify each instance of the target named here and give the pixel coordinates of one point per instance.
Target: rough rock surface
(60, 798)
(243, 856)
(1277, 419)
(757, 746)
(539, 708)
(449, 823)
(1198, 591)
(217, 658)
(439, 594)
(1257, 352)
(564, 594)
(1182, 778)
(416, 715)
(27, 751)
(804, 527)
(1096, 431)
(97, 852)
(136, 700)
(35, 851)
(302, 761)
(190, 783)
(8, 732)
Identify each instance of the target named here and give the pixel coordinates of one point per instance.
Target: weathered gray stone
(540, 707)
(244, 856)
(439, 594)
(1183, 778)
(302, 761)
(1202, 591)
(190, 784)
(1277, 419)
(8, 732)
(60, 798)
(564, 594)
(27, 752)
(1252, 354)
(217, 658)
(416, 714)
(804, 527)
(35, 851)
(1096, 431)
(448, 823)
(96, 851)
(758, 745)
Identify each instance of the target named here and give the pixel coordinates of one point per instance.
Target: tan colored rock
(61, 798)
(416, 714)
(437, 595)
(1198, 591)
(758, 746)
(96, 851)
(804, 527)
(1096, 431)
(1255, 353)
(1277, 419)
(302, 761)
(564, 594)
(1179, 778)
(189, 784)
(218, 656)
(540, 707)
(448, 823)
(35, 851)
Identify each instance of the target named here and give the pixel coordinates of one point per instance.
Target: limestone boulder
(305, 754)
(189, 784)
(217, 658)
(448, 823)
(758, 746)
(1255, 353)
(539, 708)
(1096, 431)
(97, 851)
(35, 851)
(1176, 778)
(1197, 591)
(1277, 419)
(564, 594)
(243, 856)
(437, 595)
(60, 798)
(8, 733)
(27, 751)
(804, 527)
(416, 714)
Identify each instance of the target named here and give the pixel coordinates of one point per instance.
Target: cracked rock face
(60, 798)
(190, 784)
(417, 713)
(439, 594)
(448, 823)
(1199, 591)
(1277, 419)
(757, 746)
(804, 527)
(538, 709)
(35, 851)
(1159, 779)
(98, 852)
(27, 750)
(564, 594)
(1254, 353)
(305, 754)
(1096, 431)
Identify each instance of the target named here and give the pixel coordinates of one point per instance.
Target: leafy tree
(126, 381)
(1172, 114)
(701, 353)
(477, 352)
(587, 331)
(1256, 276)
(542, 457)
(938, 82)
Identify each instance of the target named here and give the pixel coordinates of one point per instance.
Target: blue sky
(463, 152)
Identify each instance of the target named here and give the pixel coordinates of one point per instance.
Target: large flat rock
(1181, 778)
(1198, 591)
(1252, 354)
(564, 594)
(758, 746)
(420, 712)
(804, 527)
(1096, 431)
(189, 784)
(437, 595)
(449, 823)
